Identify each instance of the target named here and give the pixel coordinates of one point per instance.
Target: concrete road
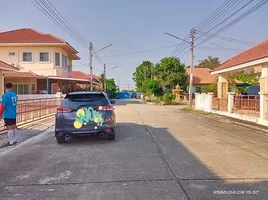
(159, 153)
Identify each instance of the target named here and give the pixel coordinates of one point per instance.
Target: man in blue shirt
(8, 110)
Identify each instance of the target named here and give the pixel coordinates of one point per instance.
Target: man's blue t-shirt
(10, 99)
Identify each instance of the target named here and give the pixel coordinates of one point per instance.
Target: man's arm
(3, 105)
(2, 109)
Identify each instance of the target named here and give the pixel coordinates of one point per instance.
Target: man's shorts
(10, 122)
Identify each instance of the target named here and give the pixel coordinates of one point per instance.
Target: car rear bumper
(104, 130)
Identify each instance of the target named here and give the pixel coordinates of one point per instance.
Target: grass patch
(198, 112)
(190, 110)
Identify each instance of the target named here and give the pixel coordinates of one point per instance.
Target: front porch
(52, 85)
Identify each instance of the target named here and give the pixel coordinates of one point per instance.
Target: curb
(28, 140)
(4, 141)
(254, 127)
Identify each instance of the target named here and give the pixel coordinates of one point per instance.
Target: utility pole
(192, 32)
(91, 65)
(118, 85)
(104, 82)
(128, 87)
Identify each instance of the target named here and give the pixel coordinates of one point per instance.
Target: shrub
(169, 99)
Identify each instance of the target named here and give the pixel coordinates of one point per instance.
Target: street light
(112, 68)
(103, 48)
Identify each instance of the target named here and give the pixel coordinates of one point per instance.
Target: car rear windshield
(78, 100)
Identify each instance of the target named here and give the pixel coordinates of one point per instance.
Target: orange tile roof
(29, 35)
(20, 74)
(257, 52)
(82, 75)
(4, 66)
(201, 76)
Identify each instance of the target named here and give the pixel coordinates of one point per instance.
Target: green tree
(101, 79)
(246, 76)
(150, 87)
(143, 72)
(170, 72)
(210, 62)
(211, 88)
(111, 87)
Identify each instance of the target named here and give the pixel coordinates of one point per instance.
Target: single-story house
(201, 78)
(255, 57)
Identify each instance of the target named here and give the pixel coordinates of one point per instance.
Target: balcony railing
(34, 109)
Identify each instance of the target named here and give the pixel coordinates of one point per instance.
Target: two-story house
(44, 60)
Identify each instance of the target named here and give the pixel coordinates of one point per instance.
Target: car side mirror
(113, 101)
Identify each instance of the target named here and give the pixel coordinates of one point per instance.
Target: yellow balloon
(80, 111)
(77, 125)
(96, 120)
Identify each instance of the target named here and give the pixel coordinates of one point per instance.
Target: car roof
(86, 92)
(253, 90)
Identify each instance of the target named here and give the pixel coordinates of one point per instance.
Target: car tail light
(108, 107)
(64, 110)
(109, 130)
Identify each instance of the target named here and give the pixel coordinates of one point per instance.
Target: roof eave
(240, 66)
(8, 69)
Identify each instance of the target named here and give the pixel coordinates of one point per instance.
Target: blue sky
(131, 26)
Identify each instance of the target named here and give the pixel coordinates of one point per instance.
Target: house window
(11, 53)
(33, 88)
(44, 57)
(21, 88)
(69, 68)
(25, 89)
(27, 57)
(57, 59)
(64, 61)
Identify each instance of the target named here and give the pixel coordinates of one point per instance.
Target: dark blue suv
(83, 114)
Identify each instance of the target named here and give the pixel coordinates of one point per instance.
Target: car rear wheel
(60, 139)
(111, 137)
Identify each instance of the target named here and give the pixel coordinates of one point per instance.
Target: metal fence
(246, 104)
(34, 109)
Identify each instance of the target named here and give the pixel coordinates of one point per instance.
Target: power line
(226, 19)
(97, 58)
(53, 14)
(212, 15)
(66, 22)
(42, 7)
(259, 5)
(228, 39)
(86, 65)
(220, 14)
(222, 47)
(142, 51)
(202, 24)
